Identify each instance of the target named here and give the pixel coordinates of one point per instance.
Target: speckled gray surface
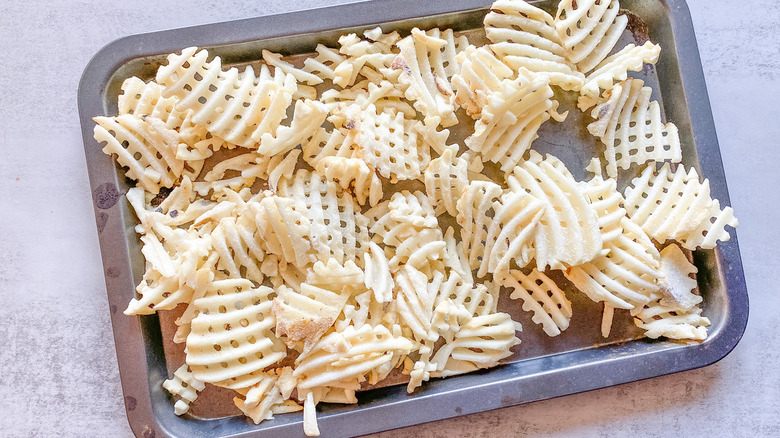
(58, 371)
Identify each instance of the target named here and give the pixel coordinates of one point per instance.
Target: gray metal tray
(541, 367)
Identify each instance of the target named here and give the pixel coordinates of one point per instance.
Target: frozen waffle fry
(630, 126)
(676, 205)
(525, 36)
(589, 29)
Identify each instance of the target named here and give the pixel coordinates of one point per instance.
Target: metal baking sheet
(541, 367)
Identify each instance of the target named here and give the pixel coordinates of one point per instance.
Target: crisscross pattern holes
(525, 36)
(675, 205)
(239, 107)
(144, 146)
(510, 121)
(390, 144)
(540, 295)
(626, 276)
(568, 232)
(231, 341)
(589, 29)
(631, 128)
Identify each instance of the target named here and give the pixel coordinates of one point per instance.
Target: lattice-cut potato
(354, 176)
(306, 315)
(568, 232)
(673, 311)
(626, 276)
(390, 143)
(419, 250)
(324, 63)
(231, 341)
(172, 256)
(245, 167)
(415, 301)
(616, 68)
(370, 57)
(302, 76)
(374, 41)
(658, 320)
(334, 274)
(525, 36)
(184, 386)
(677, 285)
(336, 143)
(675, 205)
(338, 229)
(307, 118)
(237, 106)
(480, 343)
(350, 354)
(497, 227)
(414, 208)
(511, 234)
(361, 309)
(269, 396)
(283, 229)
(143, 145)
(480, 76)
(385, 96)
(608, 204)
(474, 205)
(509, 122)
(712, 229)
(145, 99)
(236, 241)
(630, 127)
(589, 29)
(156, 292)
(427, 62)
(445, 179)
(377, 275)
(540, 295)
(476, 299)
(408, 227)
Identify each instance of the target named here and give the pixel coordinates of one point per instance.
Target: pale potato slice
(445, 179)
(338, 229)
(675, 205)
(239, 107)
(524, 36)
(143, 145)
(480, 76)
(673, 311)
(589, 29)
(630, 126)
(184, 387)
(608, 203)
(625, 275)
(509, 122)
(307, 314)
(568, 232)
(540, 295)
(231, 341)
(390, 143)
(354, 176)
(267, 397)
(616, 68)
(480, 343)
(427, 62)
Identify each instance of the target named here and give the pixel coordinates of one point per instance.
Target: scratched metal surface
(541, 367)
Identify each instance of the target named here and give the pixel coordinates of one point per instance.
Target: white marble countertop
(58, 371)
